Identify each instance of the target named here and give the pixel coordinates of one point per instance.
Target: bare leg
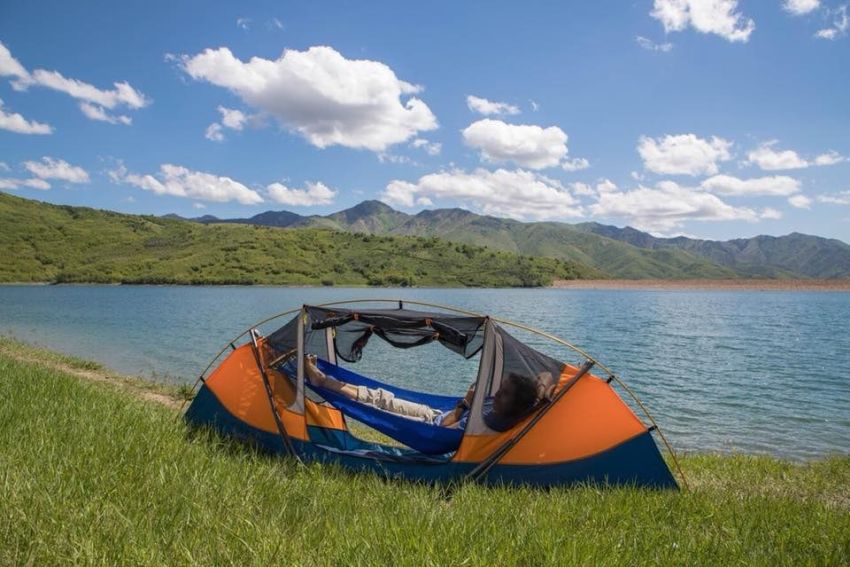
(319, 378)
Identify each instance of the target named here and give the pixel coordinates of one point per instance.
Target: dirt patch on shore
(132, 386)
(743, 285)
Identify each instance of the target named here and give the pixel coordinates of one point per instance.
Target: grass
(91, 474)
(40, 242)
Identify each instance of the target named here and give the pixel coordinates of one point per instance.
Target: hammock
(424, 437)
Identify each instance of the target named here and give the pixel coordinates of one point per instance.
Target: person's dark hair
(525, 394)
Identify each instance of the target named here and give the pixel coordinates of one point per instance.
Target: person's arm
(461, 408)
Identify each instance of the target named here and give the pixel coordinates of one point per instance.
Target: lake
(756, 372)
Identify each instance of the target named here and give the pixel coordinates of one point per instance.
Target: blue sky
(712, 118)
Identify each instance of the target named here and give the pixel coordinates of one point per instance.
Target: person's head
(516, 396)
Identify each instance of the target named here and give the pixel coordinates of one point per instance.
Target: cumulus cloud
(526, 145)
(182, 182)
(800, 7)
(214, 132)
(50, 168)
(776, 185)
(314, 194)
(328, 99)
(513, 193)
(840, 24)
(768, 158)
(95, 112)
(800, 201)
(684, 154)
(430, 148)
(575, 164)
(706, 16)
(840, 198)
(487, 108)
(34, 183)
(650, 45)
(14, 122)
(667, 206)
(93, 100)
(230, 118)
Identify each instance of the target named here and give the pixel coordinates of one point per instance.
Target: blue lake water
(758, 372)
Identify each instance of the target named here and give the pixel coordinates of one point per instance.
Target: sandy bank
(751, 285)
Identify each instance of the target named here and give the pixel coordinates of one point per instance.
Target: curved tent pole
(549, 336)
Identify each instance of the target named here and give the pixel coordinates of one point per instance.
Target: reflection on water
(721, 370)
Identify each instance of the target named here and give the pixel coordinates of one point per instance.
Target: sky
(715, 119)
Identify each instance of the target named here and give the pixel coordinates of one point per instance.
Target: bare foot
(314, 375)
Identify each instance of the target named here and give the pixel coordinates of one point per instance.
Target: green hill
(40, 242)
(616, 252)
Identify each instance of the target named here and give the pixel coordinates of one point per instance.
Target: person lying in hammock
(517, 395)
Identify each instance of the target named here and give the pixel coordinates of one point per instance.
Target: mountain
(40, 242)
(793, 255)
(616, 252)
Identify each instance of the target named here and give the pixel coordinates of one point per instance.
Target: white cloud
(93, 100)
(584, 189)
(829, 158)
(575, 164)
(10, 183)
(776, 185)
(95, 112)
(800, 7)
(14, 122)
(487, 108)
(275, 23)
(50, 168)
(770, 159)
(800, 201)
(199, 206)
(182, 182)
(122, 94)
(650, 45)
(534, 106)
(9, 66)
(314, 194)
(232, 118)
(770, 214)
(840, 24)
(431, 148)
(706, 16)
(4, 166)
(684, 154)
(328, 99)
(840, 198)
(514, 193)
(214, 132)
(243, 23)
(667, 206)
(525, 145)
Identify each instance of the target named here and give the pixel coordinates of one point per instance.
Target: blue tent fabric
(423, 437)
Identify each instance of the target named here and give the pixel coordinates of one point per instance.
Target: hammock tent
(579, 431)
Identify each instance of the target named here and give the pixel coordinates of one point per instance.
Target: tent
(580, 430)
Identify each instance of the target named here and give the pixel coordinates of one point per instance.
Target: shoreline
(709, 285)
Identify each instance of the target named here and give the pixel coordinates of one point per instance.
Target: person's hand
(469, 395)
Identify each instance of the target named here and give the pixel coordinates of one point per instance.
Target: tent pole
(485, 465)
(655, 425)
(287, 442)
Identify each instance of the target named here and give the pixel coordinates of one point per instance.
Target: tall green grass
(92, 475)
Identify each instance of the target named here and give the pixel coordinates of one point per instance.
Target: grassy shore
(93, 472)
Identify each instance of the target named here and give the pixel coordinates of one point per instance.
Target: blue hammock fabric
(424, 437)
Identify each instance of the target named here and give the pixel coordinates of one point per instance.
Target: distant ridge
(625, 253)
